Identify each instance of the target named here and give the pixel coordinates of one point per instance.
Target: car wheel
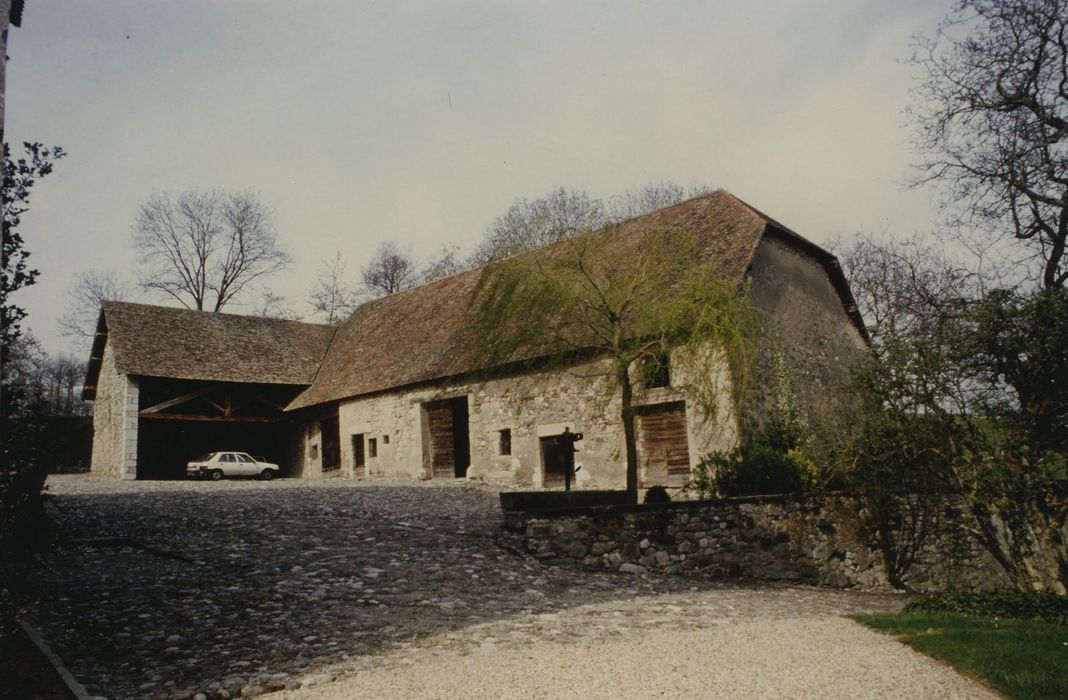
(267, 474)
(216, 474)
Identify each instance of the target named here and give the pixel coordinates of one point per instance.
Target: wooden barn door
(554, 461)
(663, 447)
(450, 446)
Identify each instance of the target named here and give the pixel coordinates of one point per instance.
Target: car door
(247, 464)
(228, 464)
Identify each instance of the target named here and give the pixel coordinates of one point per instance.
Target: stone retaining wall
(818, 540)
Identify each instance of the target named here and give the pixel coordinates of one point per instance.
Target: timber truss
(227, 403)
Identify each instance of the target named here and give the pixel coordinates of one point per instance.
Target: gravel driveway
(173, 589)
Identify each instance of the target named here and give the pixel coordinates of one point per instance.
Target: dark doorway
(663, 446)
(180, 420)
(331, 440)
(450, 444)
(557, 455)
(359, 462)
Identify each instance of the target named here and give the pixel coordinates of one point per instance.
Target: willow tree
(618, 302)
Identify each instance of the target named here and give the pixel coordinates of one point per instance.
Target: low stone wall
(817, 540)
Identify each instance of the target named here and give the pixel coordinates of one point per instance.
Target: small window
(657, 371)
(315, 452)
(372, 447)
(227, 457)
(385, 439)
(505, 442)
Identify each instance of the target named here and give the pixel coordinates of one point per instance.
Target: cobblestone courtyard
(170, 589)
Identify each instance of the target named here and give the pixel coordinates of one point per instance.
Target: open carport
(166, 446)
(178, 420)
(170, 384)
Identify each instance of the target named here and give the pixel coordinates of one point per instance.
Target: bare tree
(270, 305)
(448, 261)
(563, 213)
(898, 283)
(527, 224)
(85, 295)
(650, 198)
(992, 123)
(333, 297)
(204, 248)
(51, 385)
(389, 272)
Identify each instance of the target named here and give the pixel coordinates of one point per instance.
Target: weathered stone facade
(530, 407)
(803, 320)
(818, 540)
(115, 421)
(804, 323)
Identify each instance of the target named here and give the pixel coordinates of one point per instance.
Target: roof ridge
(181, 310)
(415, 336)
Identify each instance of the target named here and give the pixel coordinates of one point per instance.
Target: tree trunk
(629, 439)
(1029, 541)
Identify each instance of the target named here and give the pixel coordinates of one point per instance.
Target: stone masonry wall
(531, 406)
(115, 421)
(818, 541)
(804, 323)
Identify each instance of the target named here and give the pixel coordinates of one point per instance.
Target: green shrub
(754, 470)
(1048, 607)
(763, 469)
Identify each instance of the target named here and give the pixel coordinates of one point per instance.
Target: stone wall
(530, 406)
(804, 320)
(804, 323)
(818, 540)
(115, 421)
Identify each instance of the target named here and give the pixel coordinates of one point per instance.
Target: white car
(216, 465)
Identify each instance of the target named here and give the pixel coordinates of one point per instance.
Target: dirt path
(814, 657)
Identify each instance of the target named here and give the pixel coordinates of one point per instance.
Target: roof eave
(96, 358)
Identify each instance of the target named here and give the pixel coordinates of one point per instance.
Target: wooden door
(663, 445)
(450, 445)
(554, 461)
(442, 452)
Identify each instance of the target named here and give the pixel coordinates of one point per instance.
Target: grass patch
(1024, 659)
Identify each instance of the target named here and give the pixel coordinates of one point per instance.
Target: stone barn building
(170, 384)
(389, 391)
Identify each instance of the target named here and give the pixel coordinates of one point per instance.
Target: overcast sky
(358, 122)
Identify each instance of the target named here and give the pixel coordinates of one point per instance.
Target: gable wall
(806, 322)
(115, 420)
